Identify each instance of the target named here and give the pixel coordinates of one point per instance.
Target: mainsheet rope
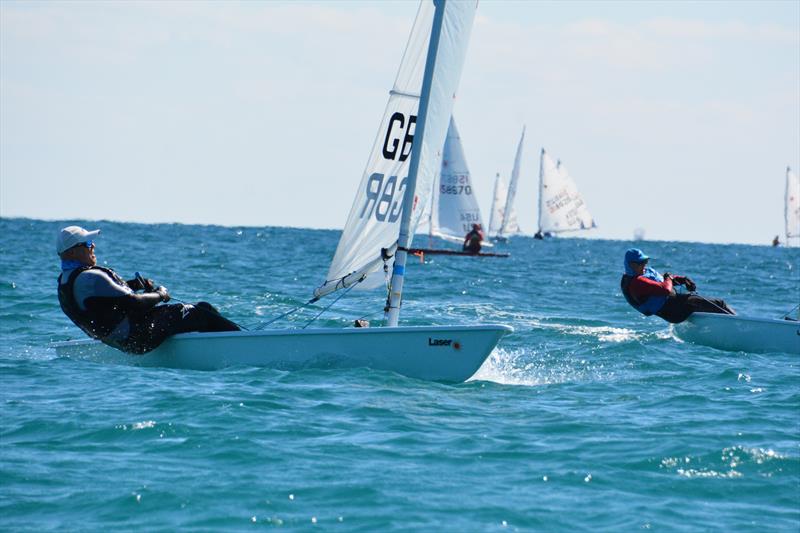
(263, 325)
(792, 310)
(348, 289)
(385, 255)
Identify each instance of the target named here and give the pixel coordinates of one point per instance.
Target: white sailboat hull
(741, 333)
(439, 353)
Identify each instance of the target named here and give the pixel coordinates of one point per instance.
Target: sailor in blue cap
(652, 293)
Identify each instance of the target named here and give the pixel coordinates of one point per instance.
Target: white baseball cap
(72, 235)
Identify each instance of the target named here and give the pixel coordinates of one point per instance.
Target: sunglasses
(87, 244)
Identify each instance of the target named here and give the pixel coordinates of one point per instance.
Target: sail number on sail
(399, 127)
(380, 198)
(383, 196)
(455, 184)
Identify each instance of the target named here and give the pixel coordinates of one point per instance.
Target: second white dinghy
(394, 189)
(739, 333)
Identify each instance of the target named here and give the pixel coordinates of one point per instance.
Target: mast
(787, 217)
(541, 187)
(392, 315)
(494, 201)
(434, 199)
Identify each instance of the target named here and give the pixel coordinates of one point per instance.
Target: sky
(679, 118)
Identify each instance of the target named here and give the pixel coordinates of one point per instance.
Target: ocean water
(589, 417)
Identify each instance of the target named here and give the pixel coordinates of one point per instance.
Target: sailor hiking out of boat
(652, 293)
(108, 308)
(472, 242)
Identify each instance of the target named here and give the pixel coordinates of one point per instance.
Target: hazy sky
(677, 117)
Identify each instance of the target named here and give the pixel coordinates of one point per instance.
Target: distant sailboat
(792, 208)
(498, 209)
(503, 201)
(509, 225)
(561, 206)
(454, 207)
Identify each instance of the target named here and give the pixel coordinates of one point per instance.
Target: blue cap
(635, 255)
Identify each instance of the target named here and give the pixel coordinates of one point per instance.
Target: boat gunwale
(714, 316)
(504, 329)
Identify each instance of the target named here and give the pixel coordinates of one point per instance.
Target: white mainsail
(454, 207)
(792, 208)
(507, 226)
(561, 206)
(498, 208)
(395, 174)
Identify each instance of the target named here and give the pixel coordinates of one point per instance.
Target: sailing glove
(162, 291)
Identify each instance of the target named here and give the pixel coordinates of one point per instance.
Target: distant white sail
(561, 207)
(498, 208)
(373, 225)
(454, 208)
(792, 208)
(508, 225)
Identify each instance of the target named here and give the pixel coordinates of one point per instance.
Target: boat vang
(393, 192)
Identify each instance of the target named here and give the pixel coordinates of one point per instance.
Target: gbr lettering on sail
(384, 194)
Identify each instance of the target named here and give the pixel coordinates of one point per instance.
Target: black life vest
(102, 318)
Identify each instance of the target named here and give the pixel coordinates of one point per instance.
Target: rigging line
(709, 301)
(143, 281)
(369, 315)
(209, 311)
(791, 311)
(329, 306)
(263, 325)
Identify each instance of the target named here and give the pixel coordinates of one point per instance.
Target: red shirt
(642, 288)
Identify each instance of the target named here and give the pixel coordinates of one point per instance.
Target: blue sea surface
(588, 417)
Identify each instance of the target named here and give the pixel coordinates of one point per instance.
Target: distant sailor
(776, 241)
(650, 293)
(472, 242)
(107, 308)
